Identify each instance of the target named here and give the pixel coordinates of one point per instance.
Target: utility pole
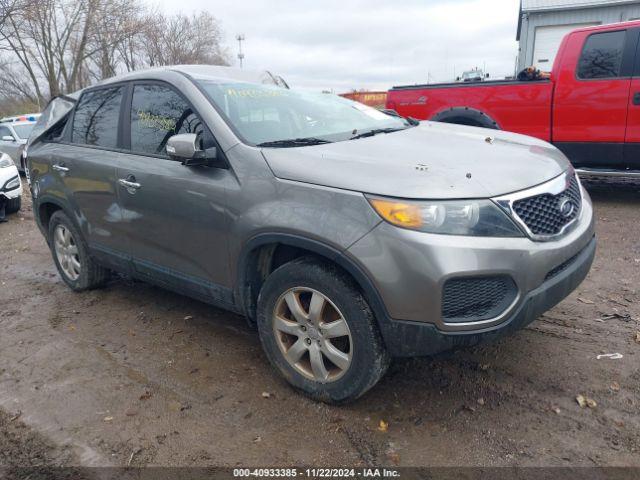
(240, 39)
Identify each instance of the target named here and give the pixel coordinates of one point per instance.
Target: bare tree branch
(59, 46)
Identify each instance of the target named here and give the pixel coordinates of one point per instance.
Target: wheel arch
(44, 210)
(466, 116)
(266, 252)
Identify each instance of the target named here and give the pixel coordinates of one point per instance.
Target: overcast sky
(373, 44)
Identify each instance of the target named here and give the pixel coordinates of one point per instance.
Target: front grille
(474, 299)
(542, 214)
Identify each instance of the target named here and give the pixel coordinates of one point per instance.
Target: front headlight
(5, 161)
(480, 218)
(13, 183)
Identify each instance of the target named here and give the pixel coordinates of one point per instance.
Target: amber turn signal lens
(398, 213)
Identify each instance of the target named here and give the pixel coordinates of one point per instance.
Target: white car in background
(10, 185)
(13, 138)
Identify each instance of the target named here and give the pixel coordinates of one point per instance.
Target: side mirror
(8, 138)
(457, 79)
(487, 75)
(183, 147)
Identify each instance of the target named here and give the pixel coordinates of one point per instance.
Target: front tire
(319, 332)
(71, 256)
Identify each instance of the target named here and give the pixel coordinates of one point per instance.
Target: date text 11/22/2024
(316, 472)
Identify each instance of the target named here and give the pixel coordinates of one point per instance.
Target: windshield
(23, 131)
(265, 113)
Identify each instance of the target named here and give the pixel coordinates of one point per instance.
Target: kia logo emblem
(566, 207)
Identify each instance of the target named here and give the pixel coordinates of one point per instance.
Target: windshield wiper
(294, 142)
(375, 131)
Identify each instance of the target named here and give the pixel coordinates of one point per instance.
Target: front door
(174, 215)
(591, 97)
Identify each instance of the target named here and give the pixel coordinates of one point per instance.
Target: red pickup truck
(589, 108)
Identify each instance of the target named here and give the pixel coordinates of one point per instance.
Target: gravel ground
(134, 375)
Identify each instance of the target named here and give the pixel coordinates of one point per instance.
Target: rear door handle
(60, 168)
(636, 98)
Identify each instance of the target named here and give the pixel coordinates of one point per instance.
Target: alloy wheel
(312, 334)
(67, 252)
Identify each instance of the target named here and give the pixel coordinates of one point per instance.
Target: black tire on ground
(370, 359)
(13, 205)
(92, 275)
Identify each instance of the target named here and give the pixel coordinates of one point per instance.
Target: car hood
(432, 160)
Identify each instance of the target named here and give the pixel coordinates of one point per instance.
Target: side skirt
(197, 288)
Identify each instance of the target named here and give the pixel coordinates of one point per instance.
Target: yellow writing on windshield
(253, 93)
(157, 122)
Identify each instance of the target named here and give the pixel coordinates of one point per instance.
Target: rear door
(592, 95)
(85, 164)
(175, 217)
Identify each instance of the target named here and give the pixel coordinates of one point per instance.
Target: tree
(49, 39)
(49, 47)
(7, 7)
(116, 23)
(184, 40)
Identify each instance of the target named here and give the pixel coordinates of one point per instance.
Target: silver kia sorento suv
(348, 236)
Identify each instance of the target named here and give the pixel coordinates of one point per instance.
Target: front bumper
(409, 269)
(410, 339)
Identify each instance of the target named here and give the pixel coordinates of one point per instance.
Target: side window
(95, 120)
(4, 131)
(602, 55)
(158, 113)
(56, 132)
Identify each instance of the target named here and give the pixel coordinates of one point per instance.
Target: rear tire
(342, 330)
(71, 255)
(13, 205)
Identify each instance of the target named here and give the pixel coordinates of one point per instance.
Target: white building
(543, 23)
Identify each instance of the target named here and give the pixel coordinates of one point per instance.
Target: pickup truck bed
(521, 107)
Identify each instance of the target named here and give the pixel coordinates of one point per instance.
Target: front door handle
(129, 183)
(636, 98)
(60, 168)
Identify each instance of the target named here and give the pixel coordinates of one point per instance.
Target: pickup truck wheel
(70, 254)
(319, 332)
(13, 205)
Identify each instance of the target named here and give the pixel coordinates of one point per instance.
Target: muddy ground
(134, 375)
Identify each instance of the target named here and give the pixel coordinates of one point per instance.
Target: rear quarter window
(95, 120)
(602, 55)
